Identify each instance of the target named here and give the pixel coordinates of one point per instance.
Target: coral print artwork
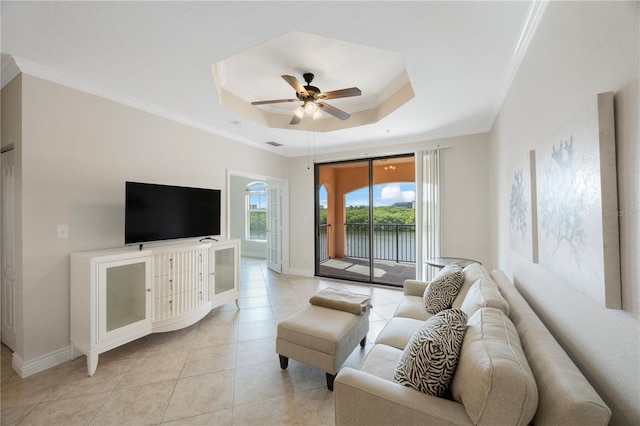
(571, 224)
(523, 234)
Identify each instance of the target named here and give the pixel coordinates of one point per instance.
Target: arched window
(323, 200)
(256, 210)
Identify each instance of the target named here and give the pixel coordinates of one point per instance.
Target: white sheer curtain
(428, 210)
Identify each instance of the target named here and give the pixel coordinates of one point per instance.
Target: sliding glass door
(365, 220)
(342, 219)
(394, 220)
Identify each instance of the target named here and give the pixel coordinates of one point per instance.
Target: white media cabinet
(120, 295)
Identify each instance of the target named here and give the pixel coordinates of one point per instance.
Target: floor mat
(337, 264)
(364, 270)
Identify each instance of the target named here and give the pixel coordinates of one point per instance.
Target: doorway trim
(284, 187)
(7, 250)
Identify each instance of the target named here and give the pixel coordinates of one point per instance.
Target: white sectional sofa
(510, 371)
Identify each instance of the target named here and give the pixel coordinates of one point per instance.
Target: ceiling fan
(312, 98)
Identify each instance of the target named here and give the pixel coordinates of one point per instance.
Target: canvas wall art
(523, 232)
(576, 186)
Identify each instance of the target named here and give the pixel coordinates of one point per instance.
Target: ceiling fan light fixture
(310, 107)
(312, 99)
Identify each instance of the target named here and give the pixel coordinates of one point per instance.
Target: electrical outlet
(62, 231)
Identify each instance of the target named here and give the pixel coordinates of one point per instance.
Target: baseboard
(44, 362)
(301, 272)
(254, 254)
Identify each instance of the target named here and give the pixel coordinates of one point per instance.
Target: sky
(383, 195)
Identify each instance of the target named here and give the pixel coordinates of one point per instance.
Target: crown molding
(12, 66)
(536, 11)
(528, 31)
(8, 70)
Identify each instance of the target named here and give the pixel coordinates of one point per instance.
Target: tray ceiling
(460, 58)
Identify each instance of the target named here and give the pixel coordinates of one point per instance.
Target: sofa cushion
(484, 293)
(443, 289)
(493, 379)
(381, 361)
(399, 331)
(429, 359)
(472, 273)
(412, 307)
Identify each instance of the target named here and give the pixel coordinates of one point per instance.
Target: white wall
(465, 197)
(77, 152)
(579, 50)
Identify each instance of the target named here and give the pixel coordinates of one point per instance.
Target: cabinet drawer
(163, 308)
(167, 285)
(202, 292)
(176, 263)
(163, 286)
(177, 304)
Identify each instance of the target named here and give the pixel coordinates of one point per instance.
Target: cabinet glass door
(124, 294)
(225, 274)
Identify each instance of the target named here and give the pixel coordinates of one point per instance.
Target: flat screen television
(163, 212)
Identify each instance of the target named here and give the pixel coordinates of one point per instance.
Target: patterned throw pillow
(443, 289)
(430, 358)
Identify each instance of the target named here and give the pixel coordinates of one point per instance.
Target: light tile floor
(222, 370)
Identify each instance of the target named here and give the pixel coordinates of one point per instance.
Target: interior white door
(274, 228)
(8, 251)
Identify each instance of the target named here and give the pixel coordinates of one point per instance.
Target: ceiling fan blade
(299, 88)
(343, 93)
(276, 101)
(297, 116)
(338, 113)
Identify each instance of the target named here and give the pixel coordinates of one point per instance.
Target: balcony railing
(323, 242)
(390, 242)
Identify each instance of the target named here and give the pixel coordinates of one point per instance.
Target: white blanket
(342, 300)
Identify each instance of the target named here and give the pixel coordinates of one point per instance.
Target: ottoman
(321, 337)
